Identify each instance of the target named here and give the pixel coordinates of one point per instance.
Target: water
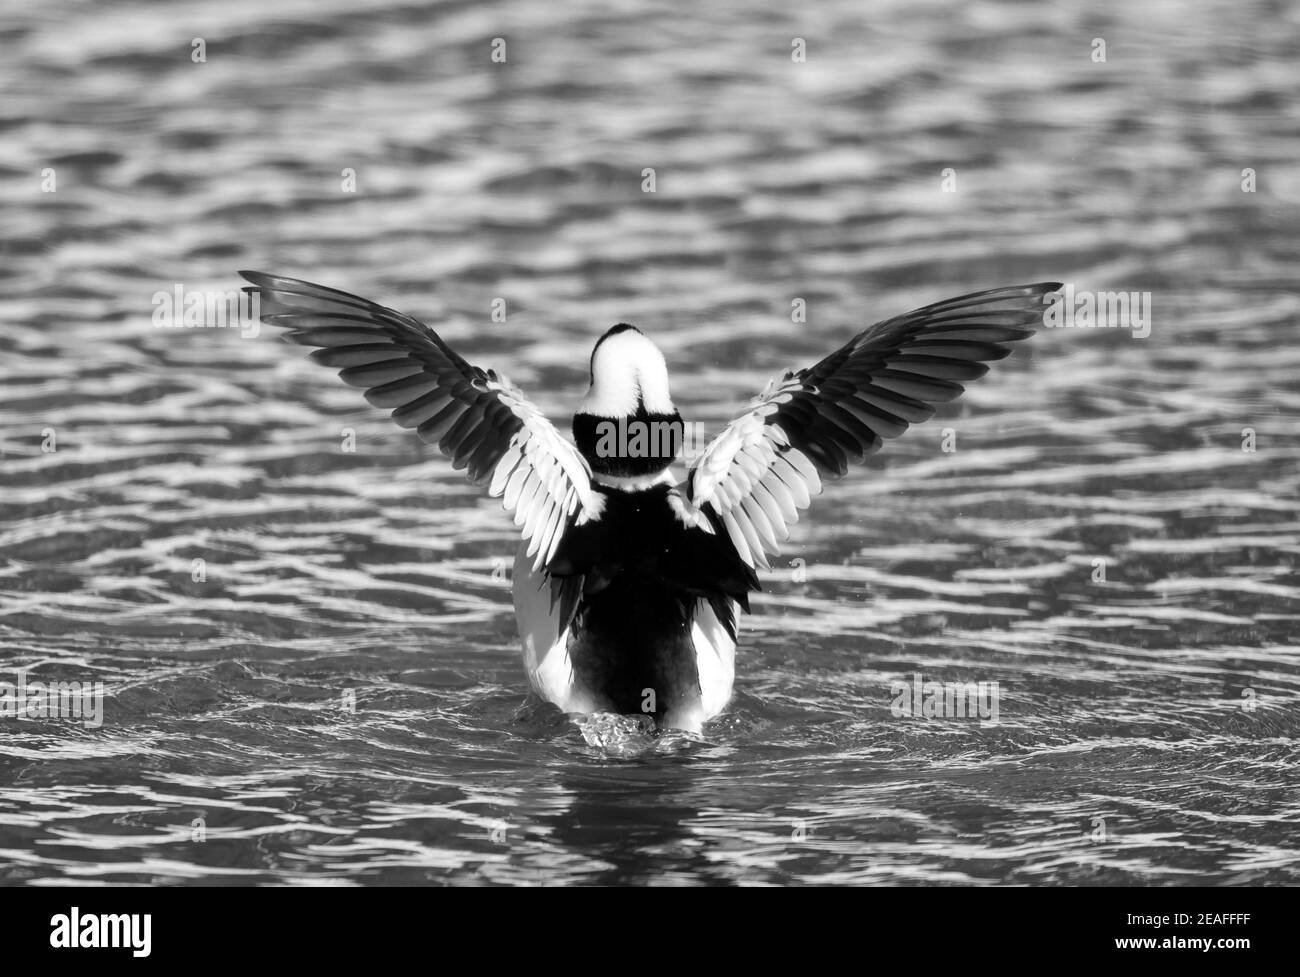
(1125, 750)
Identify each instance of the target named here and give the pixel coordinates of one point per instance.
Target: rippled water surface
(1127, 748)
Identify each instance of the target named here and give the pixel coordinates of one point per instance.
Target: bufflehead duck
(627, 583)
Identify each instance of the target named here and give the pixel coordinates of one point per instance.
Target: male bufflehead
(626, 583)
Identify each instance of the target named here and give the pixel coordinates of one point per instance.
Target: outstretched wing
(475, 417)
(812, 424)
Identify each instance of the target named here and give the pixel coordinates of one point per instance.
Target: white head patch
(624, 365)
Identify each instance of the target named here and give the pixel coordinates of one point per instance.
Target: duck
(628, 582)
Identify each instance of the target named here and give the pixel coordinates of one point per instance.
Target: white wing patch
(756, 483)
(541, 478)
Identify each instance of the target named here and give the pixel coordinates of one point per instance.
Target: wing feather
(476, 417)
(515, 487)
(812, 424)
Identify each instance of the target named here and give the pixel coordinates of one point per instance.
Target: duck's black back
(631, 581)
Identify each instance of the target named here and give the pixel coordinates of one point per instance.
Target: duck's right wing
(811, 424)
(475, 417)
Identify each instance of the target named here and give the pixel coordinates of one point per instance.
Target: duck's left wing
(476, 417)
(811, 424)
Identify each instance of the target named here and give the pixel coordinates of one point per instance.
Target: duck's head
(627, 427)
